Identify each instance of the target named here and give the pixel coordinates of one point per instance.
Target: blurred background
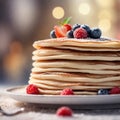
(24, 21)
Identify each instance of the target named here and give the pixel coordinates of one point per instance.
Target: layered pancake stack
(84, 65)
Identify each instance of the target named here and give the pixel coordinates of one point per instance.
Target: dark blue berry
(70, 34)
(95, 33)
(75, 26)
(103, 92)
(52, 34)
(87, 28)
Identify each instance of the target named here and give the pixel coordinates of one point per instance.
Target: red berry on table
(80, 33)
(115, 90)
(68, 26)
(60, 31)
(64, 111)
(32, 89)
(67, 91)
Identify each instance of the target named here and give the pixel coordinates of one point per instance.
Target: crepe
(51, 54)
(57, 92)
(81, 65)
(39, 70)
(103, 43)
(72, 77)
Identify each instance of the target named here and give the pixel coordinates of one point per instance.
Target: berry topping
(67, 91)
(103, 92)
(95, 33)
(75, 26)
(60, 31)
(64, 111)
(115, 90)
(52, 34)
(70, 34)
(32, 89)
(80, 33)
(87, 28)
(68, 26)
(65, 29)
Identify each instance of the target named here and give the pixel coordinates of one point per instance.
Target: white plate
(18, 93)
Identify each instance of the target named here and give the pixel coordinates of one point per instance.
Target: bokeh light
(105, 3)
(58, 12)
(84, 8)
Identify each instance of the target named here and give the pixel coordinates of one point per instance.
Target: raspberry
(32, 89)
(115, 90)
(67, 91)
(80, 33)
(68, 26)
(64, 111)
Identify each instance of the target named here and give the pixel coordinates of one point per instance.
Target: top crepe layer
(102, 44)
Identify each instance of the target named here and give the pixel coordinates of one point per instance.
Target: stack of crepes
(84, 65)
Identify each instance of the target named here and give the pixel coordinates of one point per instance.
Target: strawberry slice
(60, 31)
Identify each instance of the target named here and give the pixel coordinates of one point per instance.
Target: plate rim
(60, 99)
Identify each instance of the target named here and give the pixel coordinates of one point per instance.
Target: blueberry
(95, 33)
(70, 34)
(52, 34)
(103, 92)
(87, 28)
(75, 26)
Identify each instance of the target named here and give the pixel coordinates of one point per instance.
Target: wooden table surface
(48, 112)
